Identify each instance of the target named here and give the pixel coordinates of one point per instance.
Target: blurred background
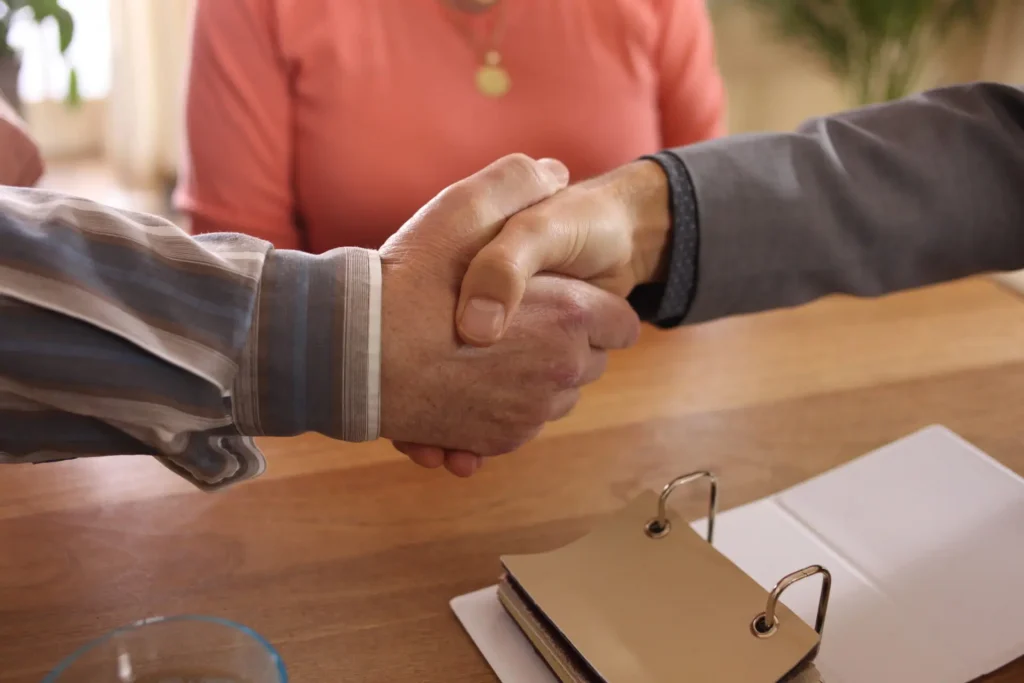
(105, 100)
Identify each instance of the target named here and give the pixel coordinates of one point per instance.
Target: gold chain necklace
(492, 79)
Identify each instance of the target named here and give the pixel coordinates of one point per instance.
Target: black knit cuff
(666, 304)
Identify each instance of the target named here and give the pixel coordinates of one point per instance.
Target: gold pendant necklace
(492, 79)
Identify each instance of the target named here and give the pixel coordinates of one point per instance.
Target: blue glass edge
(54, 675)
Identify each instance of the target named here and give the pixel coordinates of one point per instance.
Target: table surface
(345, 556)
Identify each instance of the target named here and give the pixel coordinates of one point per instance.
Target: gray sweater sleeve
(866, 202)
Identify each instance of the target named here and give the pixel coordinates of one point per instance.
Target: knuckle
(527, 435)
(632, 333)
(564, 405)
(517, 162)
(540, 412)
(499, 261)
(544, 409)
(572, 310)
(530, 223)
(599, 363)
(462, 195)
(478, 209)
(533, 414)
(568, 372)
(519, 168)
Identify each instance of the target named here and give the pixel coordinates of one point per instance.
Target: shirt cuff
(312, 360)
(666, 304)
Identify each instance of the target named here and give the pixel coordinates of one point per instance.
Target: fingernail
(557, 169)
(483, 319)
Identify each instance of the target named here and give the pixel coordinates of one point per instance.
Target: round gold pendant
(492, 79)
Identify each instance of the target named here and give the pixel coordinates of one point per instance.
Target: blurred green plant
(877, 47)
(41, 10)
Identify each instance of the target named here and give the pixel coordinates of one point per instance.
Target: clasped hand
(534, 272)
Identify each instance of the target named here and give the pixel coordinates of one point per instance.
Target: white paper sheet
(925, 542)
(499, 639)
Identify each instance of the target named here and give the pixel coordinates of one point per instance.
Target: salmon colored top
(322, 123)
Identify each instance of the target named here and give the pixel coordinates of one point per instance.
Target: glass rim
(70, 660)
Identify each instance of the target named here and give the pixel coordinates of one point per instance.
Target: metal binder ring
(660, 525)
(766, 623)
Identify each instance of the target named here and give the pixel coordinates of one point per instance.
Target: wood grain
(345, 557)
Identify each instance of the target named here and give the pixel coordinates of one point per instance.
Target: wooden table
(345, 557)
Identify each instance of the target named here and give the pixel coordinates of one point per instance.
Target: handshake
(502, 297)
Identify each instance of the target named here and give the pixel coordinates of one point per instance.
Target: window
(44, 73)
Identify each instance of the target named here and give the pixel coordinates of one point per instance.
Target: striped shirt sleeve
(123, 335)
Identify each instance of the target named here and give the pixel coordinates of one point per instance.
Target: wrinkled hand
(610, 231)
(484, 401)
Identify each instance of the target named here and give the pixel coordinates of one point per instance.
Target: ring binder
(612, 607)
(660, 525)
(765, 624)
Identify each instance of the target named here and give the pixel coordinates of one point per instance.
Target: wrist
(645, 191)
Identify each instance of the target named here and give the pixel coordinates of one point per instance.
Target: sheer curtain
(150, 48)
(130, 57)
(44, 72)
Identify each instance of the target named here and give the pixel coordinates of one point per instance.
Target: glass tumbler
(180, 649)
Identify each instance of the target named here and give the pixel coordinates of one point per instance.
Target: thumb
(495, 281)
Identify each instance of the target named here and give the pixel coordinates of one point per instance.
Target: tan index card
(643, 610)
